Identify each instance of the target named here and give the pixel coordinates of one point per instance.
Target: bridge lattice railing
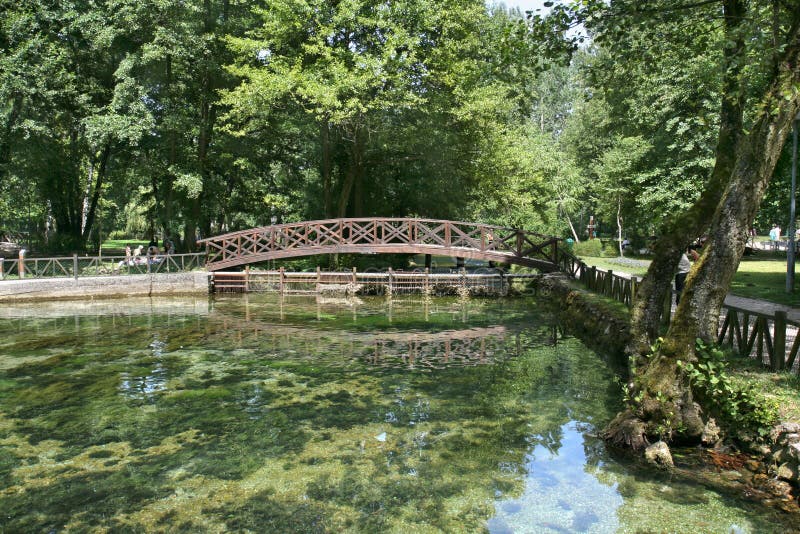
(386, 234)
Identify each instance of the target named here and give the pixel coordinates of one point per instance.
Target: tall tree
(748, 146)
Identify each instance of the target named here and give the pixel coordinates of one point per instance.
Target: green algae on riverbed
(304, 415)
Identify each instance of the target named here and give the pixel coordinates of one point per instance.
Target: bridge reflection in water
(409, 349)
(275, 328)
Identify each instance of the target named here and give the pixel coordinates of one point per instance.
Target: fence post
(319, 278)
(391, 277)
(608, 290)
(75, 266)
(427, 280)
(779, 345)
(634, 287)
(592, 278)
(280, 280)
(2, 272)
(247, 278)
(355, 278)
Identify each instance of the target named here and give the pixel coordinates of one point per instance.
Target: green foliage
(739, 405)
(589, 248)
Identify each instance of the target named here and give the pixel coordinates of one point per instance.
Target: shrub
(741, 406)
(611, 250)
(591, 247)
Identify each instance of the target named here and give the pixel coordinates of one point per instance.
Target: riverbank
(769, 467)
(141, 285)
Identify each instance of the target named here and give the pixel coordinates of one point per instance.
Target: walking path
(762, 306)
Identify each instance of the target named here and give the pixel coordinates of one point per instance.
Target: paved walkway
(762, 306)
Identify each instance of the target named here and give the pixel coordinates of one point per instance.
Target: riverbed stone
(711, 433)
(779, 488)
(787, 471)
(658, 454)
(782, 429)
(794, 452)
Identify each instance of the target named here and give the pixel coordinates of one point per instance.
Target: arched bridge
(386, 236)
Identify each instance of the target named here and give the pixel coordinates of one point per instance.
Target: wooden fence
(390, 282)
(82, 266)
(772, 339)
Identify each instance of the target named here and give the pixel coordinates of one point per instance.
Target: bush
(118, 235)
(592, 248)
(740, 406)
(611, 250)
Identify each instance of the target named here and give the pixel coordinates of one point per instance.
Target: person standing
(684, 266)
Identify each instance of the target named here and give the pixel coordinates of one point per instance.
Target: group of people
(135, 257)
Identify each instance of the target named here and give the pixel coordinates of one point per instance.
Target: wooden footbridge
(388, 236)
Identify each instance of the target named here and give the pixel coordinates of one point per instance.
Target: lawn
(117, 246)
(760, 277)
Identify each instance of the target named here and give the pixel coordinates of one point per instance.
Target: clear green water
(304, 415)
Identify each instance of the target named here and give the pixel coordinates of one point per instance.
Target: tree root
(626, 430)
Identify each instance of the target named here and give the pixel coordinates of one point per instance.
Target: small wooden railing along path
(76, 266)
(758, 329)
(386, 236)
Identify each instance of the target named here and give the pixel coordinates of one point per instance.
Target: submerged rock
(658, 454)
(711, 433)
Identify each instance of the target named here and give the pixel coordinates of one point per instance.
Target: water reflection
(298, 415)
(144, 387)
(561, 494)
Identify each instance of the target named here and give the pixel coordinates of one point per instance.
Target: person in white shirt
(684, 266)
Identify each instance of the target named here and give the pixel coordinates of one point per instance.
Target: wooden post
(280, 280)
(745, 334)
(463, 278)
(779, 346)
(427, 281)
(246, 278)
(2, 272)
(760, 326)
(75, 266)
(355, 278)
(609, 285)
(391, 276)
(592, 277)
(319, 278)
(634, 288)
(21, 264)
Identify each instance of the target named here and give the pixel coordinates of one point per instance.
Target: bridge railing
(83, 266)
(389, 235)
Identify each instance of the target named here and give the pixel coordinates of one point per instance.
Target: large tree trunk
(680, 231)
(94, 191)
(666, 399)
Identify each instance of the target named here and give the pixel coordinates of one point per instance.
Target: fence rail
(771, 339)
(391, 282)
(83, 266)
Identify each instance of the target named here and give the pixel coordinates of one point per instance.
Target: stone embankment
(103, 286)
(784, 452)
